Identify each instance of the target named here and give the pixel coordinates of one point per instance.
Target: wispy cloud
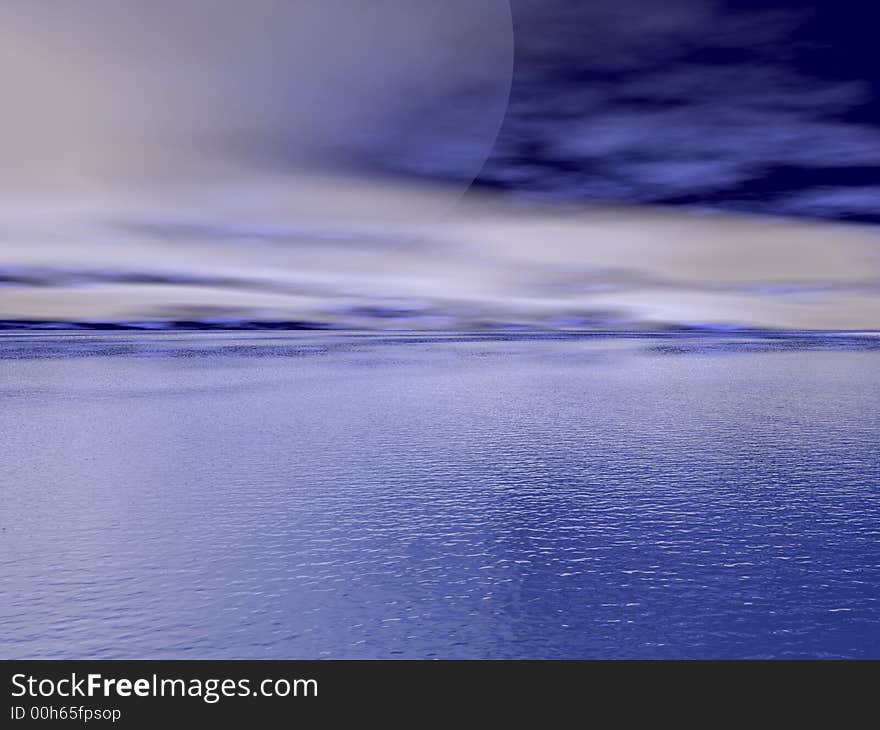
(840, 201)
(652, 102)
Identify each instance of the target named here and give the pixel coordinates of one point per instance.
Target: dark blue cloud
(692, 102)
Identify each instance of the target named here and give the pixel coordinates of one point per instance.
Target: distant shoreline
(195, 325)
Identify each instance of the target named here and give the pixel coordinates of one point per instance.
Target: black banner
(146, 693)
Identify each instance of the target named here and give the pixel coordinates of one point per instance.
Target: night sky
(768, 107)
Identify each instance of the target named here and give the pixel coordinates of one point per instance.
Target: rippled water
(367, 496)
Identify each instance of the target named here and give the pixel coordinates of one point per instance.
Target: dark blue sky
(770, 107)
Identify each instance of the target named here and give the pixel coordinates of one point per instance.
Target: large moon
(106, 99)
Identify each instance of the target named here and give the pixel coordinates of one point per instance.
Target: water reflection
(454, 497)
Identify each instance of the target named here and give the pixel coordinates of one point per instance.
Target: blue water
(324, 495)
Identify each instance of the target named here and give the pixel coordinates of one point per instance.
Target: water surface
(328, 495)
